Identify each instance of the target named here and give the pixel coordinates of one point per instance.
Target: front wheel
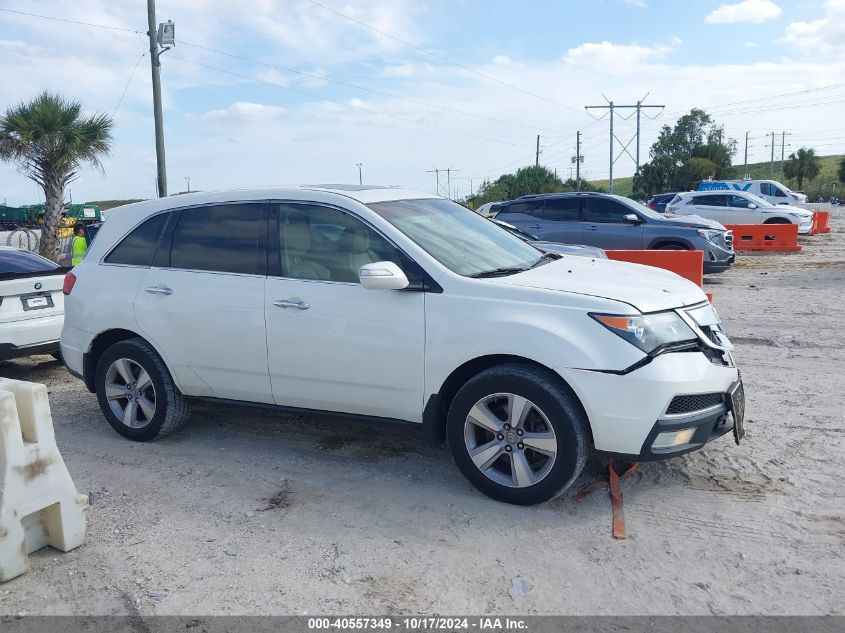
(518, 434)
(136, 393)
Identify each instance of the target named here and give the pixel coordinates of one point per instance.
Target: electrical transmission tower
(611, 108)
(448, 185)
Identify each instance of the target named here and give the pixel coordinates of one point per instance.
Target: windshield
(15, 261)
(458, 238)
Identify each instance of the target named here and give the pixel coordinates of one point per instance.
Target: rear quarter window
(139, 247)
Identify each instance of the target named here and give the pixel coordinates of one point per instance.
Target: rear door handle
(291, 303)
(159, 290)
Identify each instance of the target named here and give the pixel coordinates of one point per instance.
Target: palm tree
(802, 164)
(49, 139)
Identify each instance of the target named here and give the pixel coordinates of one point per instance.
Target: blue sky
(320, 92)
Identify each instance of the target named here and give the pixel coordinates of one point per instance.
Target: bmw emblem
(38, 285)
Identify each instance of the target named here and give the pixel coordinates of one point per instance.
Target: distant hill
(762, 171)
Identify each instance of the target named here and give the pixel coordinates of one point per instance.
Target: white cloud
(501, 59)
(824, 36)
(753, 11)
(606, 55)
(244, 112)
(637, 3)
(751, 45)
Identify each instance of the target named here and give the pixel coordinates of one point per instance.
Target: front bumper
(628, 411)
(805, 228)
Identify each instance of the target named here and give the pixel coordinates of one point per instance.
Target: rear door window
(532, 207)
(711, 200)
(562, 209)
(221, 238)
(139, 247)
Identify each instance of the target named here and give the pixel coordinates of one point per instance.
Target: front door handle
(299, 304)
(535, 226)
(159, 290)
(592, 228)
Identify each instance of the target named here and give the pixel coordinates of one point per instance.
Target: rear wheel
(777, 221)
(518, 434)
(136, 393)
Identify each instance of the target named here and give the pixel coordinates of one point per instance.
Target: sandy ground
(253, 512)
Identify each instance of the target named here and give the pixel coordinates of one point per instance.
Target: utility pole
(156, 37)
(772, 134)
(188, 180)
(537, 153)
(436, 173)
(577, 159)
(745, 169)
(611, 107)
(360, 176)
(782, 150)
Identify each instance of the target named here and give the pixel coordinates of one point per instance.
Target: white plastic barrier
(39, 504)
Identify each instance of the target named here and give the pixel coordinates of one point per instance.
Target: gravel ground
(254, 512)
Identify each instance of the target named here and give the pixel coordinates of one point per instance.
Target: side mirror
(631, 218)
(751, 205)
(382, 276)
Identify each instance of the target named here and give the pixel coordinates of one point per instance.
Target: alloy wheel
(130, 393)
(510, 440)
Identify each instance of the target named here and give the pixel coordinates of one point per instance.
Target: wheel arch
(100, 344)
(778, 220)
(658, 242)
(437, 406)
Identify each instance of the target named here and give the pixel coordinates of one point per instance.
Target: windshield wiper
(545, 259)
(498, 272)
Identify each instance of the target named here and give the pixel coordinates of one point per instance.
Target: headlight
(649, 331)
(710, 235)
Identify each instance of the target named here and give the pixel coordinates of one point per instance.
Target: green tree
(841, 174)
(694, 136)
(526, 180)
(802, 164)
(49, 139)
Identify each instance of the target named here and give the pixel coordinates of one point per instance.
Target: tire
(777, 221)
(671, 247)
(131, 357)
(551, 406)
(57, 356)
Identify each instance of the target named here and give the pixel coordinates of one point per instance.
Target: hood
(695, 221)
(570, 249)
(789, 209)
(646, 288)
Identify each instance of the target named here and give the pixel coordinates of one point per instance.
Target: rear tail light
(652, 206)
(70, 280)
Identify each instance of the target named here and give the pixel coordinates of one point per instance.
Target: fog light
(670, 439)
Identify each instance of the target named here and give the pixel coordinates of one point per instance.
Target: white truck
(770, 190)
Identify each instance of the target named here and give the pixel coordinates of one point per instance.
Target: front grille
(695, 402)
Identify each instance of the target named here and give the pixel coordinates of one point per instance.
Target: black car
(658, 203)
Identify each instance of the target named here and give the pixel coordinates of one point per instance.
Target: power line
(342, 103)
(126, 87)
(67, 21)
(359, 87)
(440, 57)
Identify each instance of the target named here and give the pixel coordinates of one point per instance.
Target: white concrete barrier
(39, 504)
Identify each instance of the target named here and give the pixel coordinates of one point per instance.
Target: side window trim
(274, 268)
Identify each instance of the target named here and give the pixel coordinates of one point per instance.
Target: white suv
(394, 304)
(739, 207)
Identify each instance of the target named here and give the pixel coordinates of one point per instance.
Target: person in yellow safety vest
(79, 245)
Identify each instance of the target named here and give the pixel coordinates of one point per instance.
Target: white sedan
(32, 307)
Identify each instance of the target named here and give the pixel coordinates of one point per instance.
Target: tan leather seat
(296, 243)
(353, 252)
